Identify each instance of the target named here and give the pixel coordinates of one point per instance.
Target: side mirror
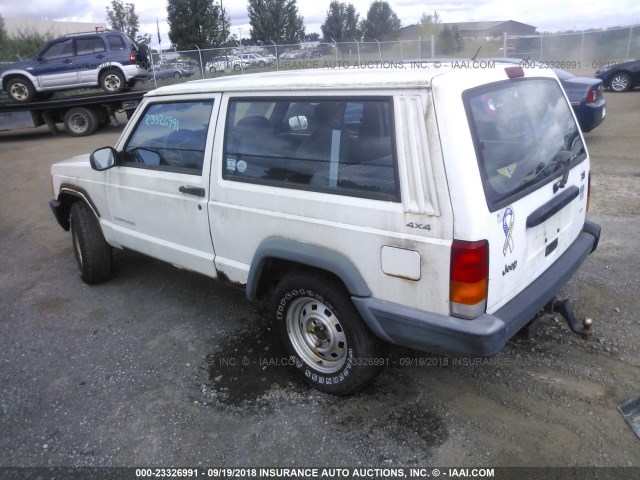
(103, 158)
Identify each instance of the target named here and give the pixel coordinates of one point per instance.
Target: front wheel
(326, 338)
(112, 81)
(92, 251)
(620, 82)
(20, 90)
(177, 75)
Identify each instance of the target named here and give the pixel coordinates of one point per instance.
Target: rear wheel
(112, 81)
(92, 251)
(620, 82)
(80, 121)
(177, 75)
(326, 338)
(20, 90)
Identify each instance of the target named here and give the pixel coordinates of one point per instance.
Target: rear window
(525, 135)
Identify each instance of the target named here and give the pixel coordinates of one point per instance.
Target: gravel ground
(149, 369)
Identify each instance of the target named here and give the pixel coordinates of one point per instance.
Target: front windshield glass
(525, 135)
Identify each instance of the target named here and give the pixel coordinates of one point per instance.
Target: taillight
(591, 96)
(469, 278)
(132, 58)
(588, 191)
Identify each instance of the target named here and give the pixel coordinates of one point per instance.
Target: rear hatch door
(534, 168)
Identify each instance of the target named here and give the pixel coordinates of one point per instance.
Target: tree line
(205, 24)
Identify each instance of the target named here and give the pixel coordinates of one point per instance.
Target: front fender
(7, 75)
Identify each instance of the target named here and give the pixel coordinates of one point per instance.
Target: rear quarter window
(339, 146)
(116, 42)
(524, 134)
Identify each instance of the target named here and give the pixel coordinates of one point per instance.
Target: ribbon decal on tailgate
(507, 225)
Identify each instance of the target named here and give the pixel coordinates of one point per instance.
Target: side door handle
(100, 56)
(197, 191)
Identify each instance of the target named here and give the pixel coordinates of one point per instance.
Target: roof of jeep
(394, 76)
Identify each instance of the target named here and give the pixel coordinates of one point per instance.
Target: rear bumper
(487, 334)
(590, 115)
(134, 72)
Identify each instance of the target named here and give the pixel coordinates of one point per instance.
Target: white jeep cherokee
(440, 209)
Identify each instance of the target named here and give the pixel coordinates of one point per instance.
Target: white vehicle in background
(439, 209)
(226, 62)
(256, 60)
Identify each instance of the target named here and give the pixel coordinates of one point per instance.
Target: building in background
(13, 26)
(477, 29)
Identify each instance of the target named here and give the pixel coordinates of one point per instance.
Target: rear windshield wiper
(566, 165)
(542, 171)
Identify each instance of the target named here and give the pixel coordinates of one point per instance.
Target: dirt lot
(139, 371)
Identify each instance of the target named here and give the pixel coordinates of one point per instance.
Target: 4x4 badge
(507, 226)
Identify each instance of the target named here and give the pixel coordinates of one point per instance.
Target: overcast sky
(546, 15)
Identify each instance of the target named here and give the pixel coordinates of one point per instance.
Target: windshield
(525, 135)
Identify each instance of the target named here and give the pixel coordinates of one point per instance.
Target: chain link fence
(587, 50)
(244, 59)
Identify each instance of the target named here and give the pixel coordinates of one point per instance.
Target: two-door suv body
(437, 208)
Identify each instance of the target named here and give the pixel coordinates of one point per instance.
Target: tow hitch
(564, 308)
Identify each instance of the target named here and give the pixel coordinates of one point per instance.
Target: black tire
(261, 64)
(320, 328)
(112, 81)
(236, 67)
(177, 75)
(92, 251)
(20, 90)
(80, 121)
(212, 69)
(620, 82)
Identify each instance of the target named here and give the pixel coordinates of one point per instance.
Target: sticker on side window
(231, 164)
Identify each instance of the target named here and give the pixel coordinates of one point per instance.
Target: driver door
(55, 67)
(157, 194)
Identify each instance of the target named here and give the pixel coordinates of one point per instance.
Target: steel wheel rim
(619, 83)
(316, 335)
(19, 91)
(112, 82)
(77, 123)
